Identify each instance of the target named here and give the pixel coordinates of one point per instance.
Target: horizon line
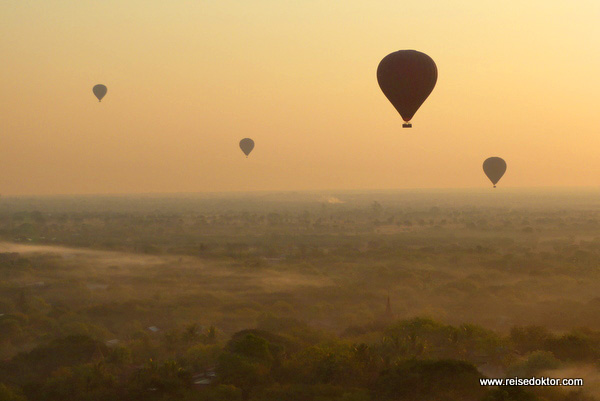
(280, 191)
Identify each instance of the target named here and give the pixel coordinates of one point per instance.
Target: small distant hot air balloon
(246, 145)
(406, 78)
(99, 90)
(494, 168)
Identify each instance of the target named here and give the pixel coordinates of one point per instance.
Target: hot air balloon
(406, 78)
(494, 168)
(99, 90)
(246, 145)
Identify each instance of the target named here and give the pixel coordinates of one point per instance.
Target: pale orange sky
(187, 79)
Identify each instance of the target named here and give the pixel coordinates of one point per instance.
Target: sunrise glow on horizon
(187, 80)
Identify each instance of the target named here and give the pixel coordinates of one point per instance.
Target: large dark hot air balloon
(494, 168)
(407, 77)
(99, 90)
(246, 145)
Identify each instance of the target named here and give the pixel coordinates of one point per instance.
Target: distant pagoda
(389, 315)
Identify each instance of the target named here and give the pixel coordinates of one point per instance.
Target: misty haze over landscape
(505, 281)
(299, 201)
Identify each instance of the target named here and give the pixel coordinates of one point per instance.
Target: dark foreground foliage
(413, 360)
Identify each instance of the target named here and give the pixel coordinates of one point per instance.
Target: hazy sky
(187, 79)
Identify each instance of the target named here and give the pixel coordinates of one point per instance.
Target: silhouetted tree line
(413, 360)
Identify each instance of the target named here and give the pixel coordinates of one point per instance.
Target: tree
(191, 333)
(430, 380)
(86, 382)
(509, 393)
(9, 394)
(252, 347)
(242, 372)
(211, 335)
(167, 378)
(529, 338)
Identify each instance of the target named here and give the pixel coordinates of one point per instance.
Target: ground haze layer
(142, 271)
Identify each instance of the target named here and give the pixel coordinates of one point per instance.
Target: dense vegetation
(285, 296)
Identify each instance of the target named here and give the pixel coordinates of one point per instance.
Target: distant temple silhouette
(389, 315)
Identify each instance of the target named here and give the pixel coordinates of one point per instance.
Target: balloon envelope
(99, 90)
(494, 168)
(406, 78)
(246, 145)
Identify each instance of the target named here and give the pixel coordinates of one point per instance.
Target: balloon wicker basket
(407, 125)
